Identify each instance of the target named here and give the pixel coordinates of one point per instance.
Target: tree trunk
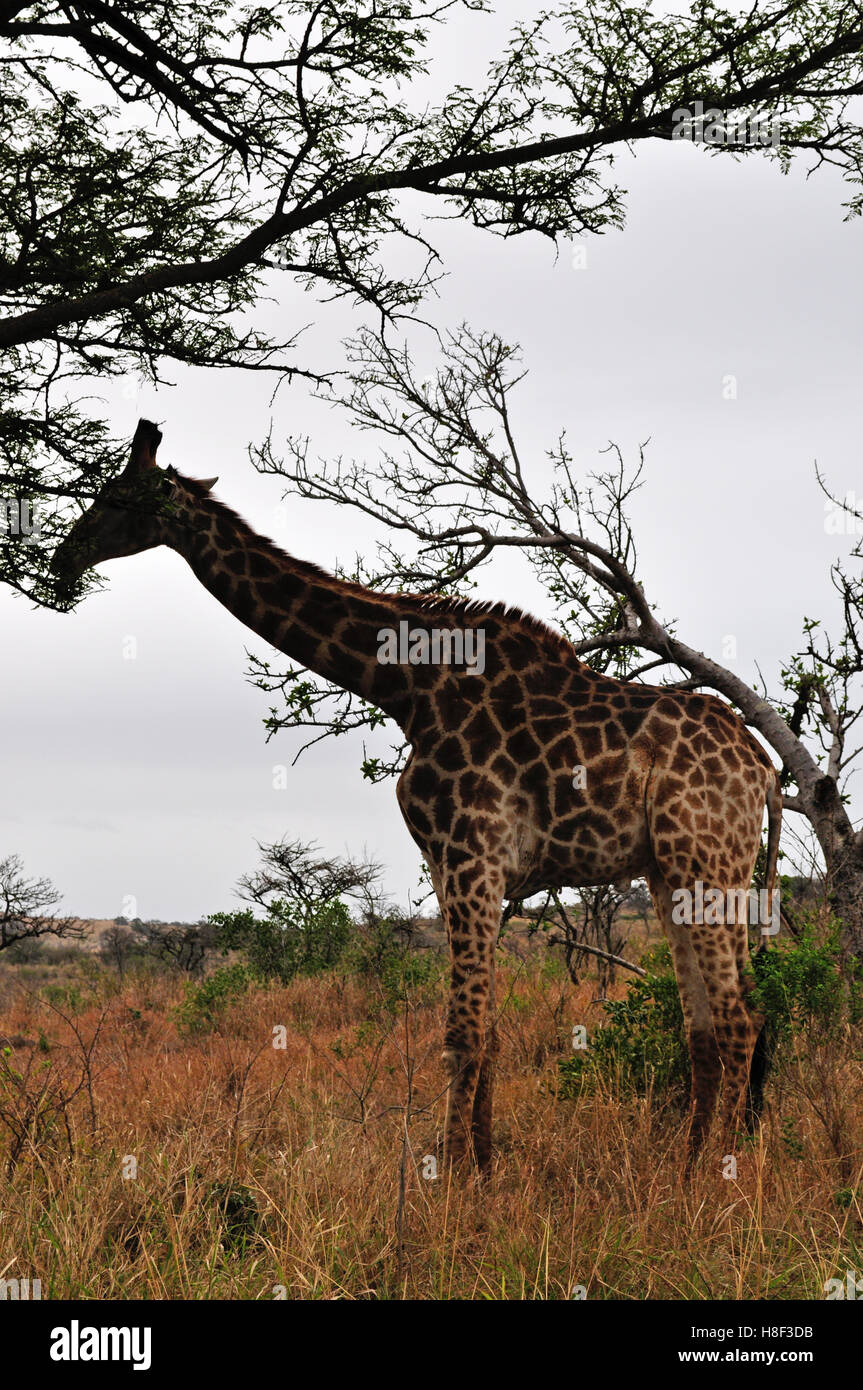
(846, 896)
(843, 859)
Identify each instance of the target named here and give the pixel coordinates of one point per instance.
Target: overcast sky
(140, 786)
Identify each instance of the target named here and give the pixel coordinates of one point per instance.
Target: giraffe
(527, 771)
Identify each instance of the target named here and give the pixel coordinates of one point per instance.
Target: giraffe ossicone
(673, 785)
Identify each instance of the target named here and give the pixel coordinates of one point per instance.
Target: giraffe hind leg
(720, 951)
(471, 908)
(705, 1060)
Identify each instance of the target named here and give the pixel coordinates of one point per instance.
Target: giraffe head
(136, 511)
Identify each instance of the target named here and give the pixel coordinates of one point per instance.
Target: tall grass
(211, 1164)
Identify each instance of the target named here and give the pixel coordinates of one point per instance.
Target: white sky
(141, 786)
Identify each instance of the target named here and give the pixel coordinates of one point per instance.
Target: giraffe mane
(450, 605)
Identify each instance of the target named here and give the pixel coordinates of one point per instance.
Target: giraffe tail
(765, 1043)
(774, 826)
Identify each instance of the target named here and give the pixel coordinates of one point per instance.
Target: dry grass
(265, 1172)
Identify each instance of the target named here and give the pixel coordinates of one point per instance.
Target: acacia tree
(184, 945)
(165, 166)
(306, 925)
(296, 871)
(28, 907)
(453, 489)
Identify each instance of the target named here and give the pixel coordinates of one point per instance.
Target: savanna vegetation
(266, 1123)
(251, 1107)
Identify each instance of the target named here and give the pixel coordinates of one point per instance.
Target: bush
(28, 950)
(377, 953)
(642, 1047)
(799, 986)
(66, 998)
(289, 941)
(204, 1004)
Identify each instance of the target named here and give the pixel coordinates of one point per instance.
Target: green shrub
(799, 985)
(66, 998)
(377, 953)
(290, 940)
(203, 1004)
(642, 1046)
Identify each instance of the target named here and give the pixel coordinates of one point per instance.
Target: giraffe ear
(207, 483)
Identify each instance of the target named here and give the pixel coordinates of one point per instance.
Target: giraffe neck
(328, 625)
